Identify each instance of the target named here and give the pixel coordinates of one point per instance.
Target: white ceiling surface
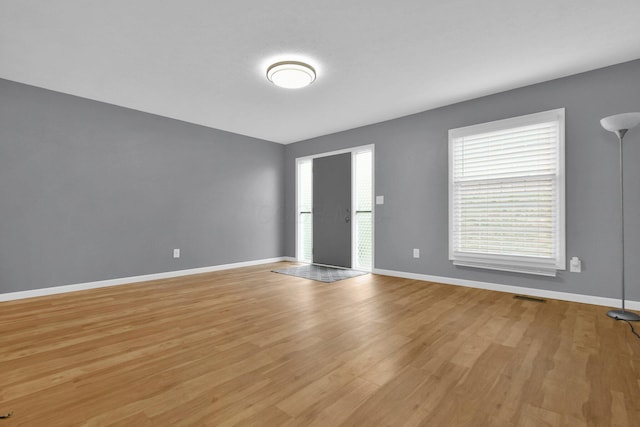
(204, 61)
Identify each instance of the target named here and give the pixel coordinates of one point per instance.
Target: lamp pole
(620, 124)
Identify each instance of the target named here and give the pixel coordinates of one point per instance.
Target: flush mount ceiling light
(291, 74)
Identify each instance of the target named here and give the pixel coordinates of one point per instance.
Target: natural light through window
(363, 208)
(506, 194)
(305, 217)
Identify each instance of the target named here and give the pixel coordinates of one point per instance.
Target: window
(506, 194)
(363, 192)
(305, 215)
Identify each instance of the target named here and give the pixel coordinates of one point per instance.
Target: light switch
(379, 200)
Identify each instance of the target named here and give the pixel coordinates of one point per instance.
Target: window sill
(537, 270)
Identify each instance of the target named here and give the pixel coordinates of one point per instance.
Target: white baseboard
(11, 296)
(564, 296)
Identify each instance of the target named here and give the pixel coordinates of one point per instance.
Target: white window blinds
(506, 194)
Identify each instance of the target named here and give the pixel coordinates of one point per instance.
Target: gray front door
(332, 210)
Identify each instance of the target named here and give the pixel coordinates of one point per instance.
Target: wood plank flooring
(251, 347)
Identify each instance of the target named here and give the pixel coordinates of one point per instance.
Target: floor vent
(526, 298)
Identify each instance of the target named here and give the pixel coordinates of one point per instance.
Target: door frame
(352, 150)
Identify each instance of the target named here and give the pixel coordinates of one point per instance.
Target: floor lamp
(620, 124)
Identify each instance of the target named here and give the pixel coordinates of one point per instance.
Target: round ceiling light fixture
(291, 74)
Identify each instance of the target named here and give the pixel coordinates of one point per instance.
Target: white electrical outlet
(416, 253)
(575, 265)
(379, 200)
(176, 253)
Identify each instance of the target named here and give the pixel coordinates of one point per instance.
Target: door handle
(347, 218)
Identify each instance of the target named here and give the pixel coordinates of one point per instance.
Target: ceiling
(204, 61)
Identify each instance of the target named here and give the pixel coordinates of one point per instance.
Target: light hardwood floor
(251, 347)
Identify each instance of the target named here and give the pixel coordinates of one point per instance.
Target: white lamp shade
(620, 122)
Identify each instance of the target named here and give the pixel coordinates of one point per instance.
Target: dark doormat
(320, 273)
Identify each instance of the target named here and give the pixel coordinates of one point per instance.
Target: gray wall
(90, 191)
(411, 172)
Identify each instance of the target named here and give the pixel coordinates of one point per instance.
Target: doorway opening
(362, 196)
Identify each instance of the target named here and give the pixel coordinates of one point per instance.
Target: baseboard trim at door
(11, 296)
(563, 296)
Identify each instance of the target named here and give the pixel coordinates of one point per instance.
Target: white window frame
(520, 264)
